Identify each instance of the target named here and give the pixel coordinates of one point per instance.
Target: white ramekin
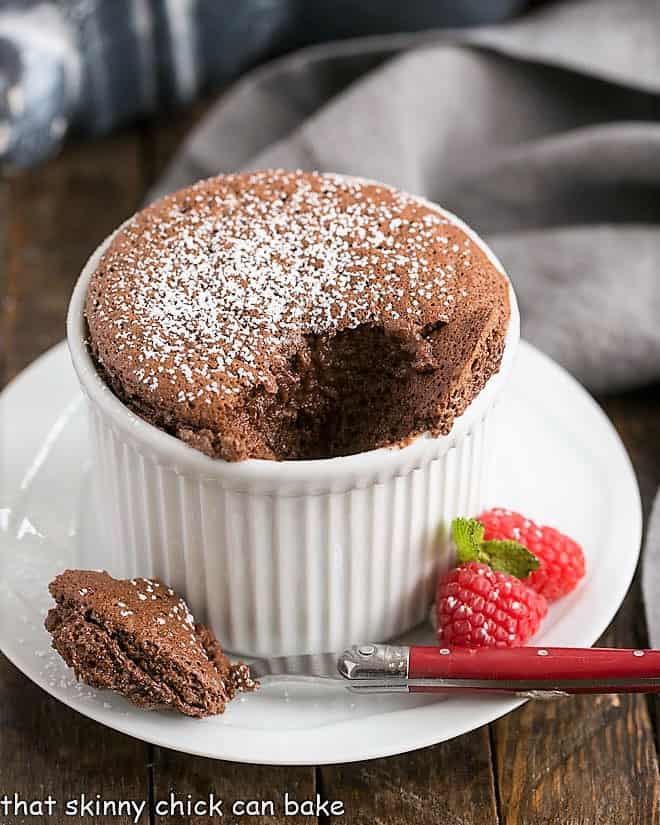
(293, 556)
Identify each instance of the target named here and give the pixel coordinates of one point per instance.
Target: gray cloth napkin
(543, 133)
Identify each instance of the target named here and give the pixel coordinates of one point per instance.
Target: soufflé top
(290, 315)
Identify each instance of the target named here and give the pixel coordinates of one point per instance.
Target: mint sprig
(504, 556)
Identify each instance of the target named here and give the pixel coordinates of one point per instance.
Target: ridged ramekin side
(282, 574)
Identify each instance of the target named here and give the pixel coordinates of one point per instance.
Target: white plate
(559, 460)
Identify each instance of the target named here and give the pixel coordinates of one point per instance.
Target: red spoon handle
(572, 670)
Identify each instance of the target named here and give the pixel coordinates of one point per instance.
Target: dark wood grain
(48, 749)
(580, 760)
(447, 784)
(186, 775)
(636, 416)
(56, 215)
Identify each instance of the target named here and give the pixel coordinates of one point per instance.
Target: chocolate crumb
(151, 652)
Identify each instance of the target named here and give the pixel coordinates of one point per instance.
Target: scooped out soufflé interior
(294, 315)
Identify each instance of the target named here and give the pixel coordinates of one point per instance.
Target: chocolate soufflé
(138, 638)
(294, 315)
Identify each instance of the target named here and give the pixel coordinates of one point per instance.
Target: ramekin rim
(325, 470)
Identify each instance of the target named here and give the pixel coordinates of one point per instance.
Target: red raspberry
(480, 607)
(561, 560)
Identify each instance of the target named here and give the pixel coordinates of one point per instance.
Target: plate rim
(276, 753)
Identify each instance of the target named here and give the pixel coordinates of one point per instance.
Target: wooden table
(579, 760)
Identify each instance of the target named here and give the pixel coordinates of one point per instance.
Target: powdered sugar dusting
(209, 289)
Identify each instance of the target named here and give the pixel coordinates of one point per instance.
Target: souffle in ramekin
(290, 377)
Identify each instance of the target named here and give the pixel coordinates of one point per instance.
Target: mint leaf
(504, 556)
(509, 557)
(468, 535)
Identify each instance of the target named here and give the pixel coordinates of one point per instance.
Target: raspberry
(561, 560)
(480, 607)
